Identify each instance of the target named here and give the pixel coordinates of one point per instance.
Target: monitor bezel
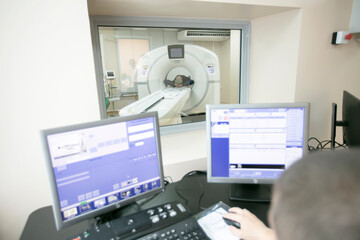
(213, 179)
(59, 222)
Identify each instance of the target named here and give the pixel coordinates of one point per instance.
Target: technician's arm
(252, 228)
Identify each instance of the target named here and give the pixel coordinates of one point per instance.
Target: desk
(193, 191)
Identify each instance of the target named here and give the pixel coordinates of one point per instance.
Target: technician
(318, 197)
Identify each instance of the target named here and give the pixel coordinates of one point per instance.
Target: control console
(138, 224)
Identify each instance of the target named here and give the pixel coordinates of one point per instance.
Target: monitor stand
(334, 124)
(251, 192)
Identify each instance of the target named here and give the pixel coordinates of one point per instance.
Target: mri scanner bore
(175, 80)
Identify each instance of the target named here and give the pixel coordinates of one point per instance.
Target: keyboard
(187, 229)
(138, 224)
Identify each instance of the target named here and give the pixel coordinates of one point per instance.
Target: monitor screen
(110, 74)
(97, 167)
(176, 51)
(254, 143)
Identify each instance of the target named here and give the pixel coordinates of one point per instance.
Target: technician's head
(318, 197)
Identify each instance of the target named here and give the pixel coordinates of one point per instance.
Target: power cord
(321, 145)
(177, 187)
(193, 172)
(167, 180)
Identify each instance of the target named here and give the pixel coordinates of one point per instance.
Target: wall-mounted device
(342, 37)
(110, 74)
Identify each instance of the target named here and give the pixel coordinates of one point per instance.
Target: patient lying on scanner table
(179, 81)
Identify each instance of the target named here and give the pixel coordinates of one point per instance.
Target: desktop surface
(192, 191)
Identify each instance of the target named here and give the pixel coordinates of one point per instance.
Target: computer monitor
(110, 74)
(350, 120)
(100, 166)
(250, 145)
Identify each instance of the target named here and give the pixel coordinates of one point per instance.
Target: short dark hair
(318, 197)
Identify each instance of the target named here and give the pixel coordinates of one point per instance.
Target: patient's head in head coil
(178, 81)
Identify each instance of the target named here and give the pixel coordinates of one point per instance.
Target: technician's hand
(252, 228)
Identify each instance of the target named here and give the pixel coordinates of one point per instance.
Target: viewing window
(175, 70)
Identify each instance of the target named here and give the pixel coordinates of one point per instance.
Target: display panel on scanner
(176, 51)
(254, 143)
(100, 166)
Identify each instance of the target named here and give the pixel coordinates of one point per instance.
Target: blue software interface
(255, 143)
(103, 165)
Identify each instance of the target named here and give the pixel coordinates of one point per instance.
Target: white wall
(273, 57)
(47, 80)
(183, 152)
(296, 61)
(325, 70)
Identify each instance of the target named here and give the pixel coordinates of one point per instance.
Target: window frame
(164, 22)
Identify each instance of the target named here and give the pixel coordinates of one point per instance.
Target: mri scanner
(166, 63)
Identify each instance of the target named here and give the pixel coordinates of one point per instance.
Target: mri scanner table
(168, 103)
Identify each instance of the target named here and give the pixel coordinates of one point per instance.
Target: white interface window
(270, 139)
(267, 136)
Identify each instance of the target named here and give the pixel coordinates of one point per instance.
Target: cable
(168, 177)
(314, 148)
(344, 145)
(182, 180)
(321, 145)
(193, 172)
